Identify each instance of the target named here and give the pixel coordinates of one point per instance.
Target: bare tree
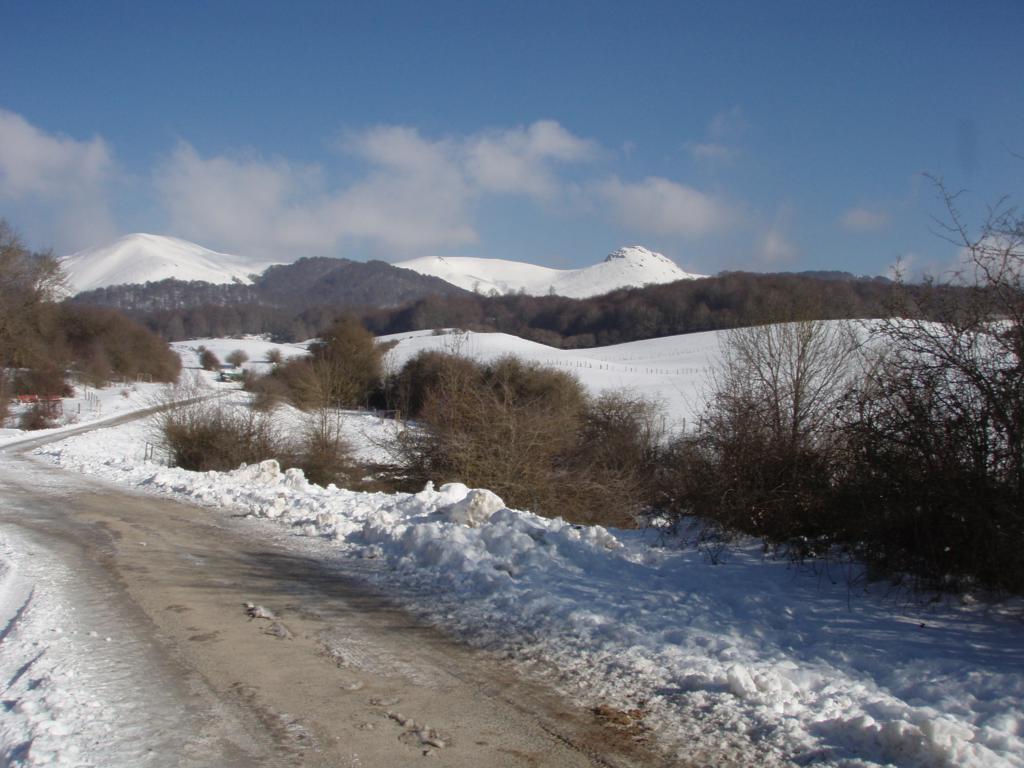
(29, 283)
(763, 454)
(939, 430)
(791, 374)
(237, 357)
(208, 360)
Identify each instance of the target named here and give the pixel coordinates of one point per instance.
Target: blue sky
(729, 135)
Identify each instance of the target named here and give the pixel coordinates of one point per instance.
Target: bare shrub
(323, 453)
(344, 369)
(346, 365)
(213, 435)
(35, 418)
(209, 361)
(97, 371)
(423, 374)
(619, 449)
(268, 391)
(45, 381)
(488, 427)
(937, 471)
(237, 357)
(531, 435)
(274, 356)
(104, 344)
(763, 454)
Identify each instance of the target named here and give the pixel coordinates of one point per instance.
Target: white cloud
(59, 179)
(417, 193)
(774, 249)
(664, 207)
(729, 123)
(413, 194)
(415, 197)
(519, 161)
(962, 265)
(723, 131)
(275, 209)
(864, 220)
(712, 151)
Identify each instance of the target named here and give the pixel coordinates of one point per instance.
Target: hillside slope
(141, 258)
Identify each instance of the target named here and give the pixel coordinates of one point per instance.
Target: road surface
(322, 670)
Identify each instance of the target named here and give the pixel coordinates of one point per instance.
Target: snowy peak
(631, 266)
(637, 254)
(142, 258)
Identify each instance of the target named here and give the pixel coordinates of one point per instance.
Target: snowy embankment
(750, 660)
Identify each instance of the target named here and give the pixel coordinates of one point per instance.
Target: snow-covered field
(255, 348)
(88, 405)
(672, 371)
(750, 659)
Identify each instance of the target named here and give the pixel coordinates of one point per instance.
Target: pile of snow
(142, 258)
(750, 660)
(632, 266)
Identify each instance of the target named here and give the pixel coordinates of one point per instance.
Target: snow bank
(749, 660)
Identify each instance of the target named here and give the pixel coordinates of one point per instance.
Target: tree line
(728, 300)
(44, 340)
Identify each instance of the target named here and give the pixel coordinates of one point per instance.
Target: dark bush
(268, 391)
(35, 418)
(104, 344)
(322, 452)
(215, 435)
(530, 434)
(926, 490)
(45, 381)
(237, 357)
(345, 366)
(619, 447)
(762, 457)
(211, 435)
(422, 374)
(209, 361)
(5, 396)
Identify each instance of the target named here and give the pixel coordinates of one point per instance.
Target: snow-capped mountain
(627, 267)
(142, 258)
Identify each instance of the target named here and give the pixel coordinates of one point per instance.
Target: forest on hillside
(727, 300)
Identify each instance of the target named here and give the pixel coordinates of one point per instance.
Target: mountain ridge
(627, 267)
(140, 258)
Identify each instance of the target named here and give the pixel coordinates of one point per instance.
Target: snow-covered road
(322, 671)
